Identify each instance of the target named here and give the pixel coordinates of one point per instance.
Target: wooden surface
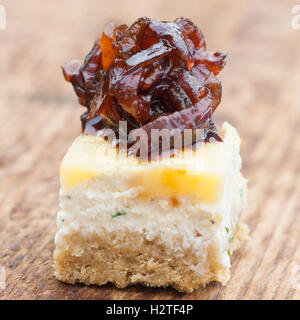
(40, 118)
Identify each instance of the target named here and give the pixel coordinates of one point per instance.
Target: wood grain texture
(40, 117)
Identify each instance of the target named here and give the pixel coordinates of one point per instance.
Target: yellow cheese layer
(207, 187)
(90, 157)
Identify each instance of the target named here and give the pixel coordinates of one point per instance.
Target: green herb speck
(118, 214)
(231, 238)
(227, 230)
(229, 253)
(241, 193)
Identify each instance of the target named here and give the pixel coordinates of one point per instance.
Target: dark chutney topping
(153, 74)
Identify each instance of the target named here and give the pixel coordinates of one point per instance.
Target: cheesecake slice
(164, 223)
(151, 191)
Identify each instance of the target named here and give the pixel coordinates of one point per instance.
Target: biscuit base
(127, 258)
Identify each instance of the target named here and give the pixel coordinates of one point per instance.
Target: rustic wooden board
(40, 117)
